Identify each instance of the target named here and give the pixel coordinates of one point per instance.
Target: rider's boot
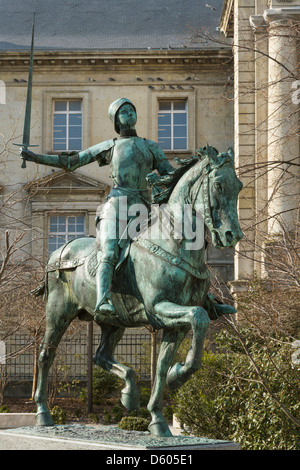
(104, 304)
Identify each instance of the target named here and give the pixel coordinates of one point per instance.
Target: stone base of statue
(112, 438)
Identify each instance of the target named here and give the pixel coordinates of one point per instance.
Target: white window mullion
(172, 126)
(67, 134)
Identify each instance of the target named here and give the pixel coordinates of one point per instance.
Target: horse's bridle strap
(171, 259)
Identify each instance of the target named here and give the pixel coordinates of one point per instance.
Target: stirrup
(106, 307)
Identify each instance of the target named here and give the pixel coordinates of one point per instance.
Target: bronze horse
(160, 283)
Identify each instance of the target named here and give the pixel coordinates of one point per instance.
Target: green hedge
(225, 399)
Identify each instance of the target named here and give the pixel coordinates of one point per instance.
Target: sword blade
(27, 121)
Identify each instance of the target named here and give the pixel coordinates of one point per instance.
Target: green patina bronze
(150, 280)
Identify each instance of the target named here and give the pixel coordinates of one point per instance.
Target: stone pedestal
(112, 438)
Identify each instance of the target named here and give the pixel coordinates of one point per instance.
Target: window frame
(66, 215)
(173, 112)
(157, 95)
(49, 96)
(67, 113)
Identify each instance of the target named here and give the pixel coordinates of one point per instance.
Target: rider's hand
(28, 155)
(152, 178)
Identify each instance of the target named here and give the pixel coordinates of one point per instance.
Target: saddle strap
(171, 259)
(62, 265)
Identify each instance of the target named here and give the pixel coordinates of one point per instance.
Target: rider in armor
(131, 160)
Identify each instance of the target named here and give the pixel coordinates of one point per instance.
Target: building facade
(265, 40)
(142, 52)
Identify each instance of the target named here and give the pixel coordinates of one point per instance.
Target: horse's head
(220, 188)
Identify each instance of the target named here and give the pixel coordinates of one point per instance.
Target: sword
(26, 130)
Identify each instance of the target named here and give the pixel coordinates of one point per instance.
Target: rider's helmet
(114, 108)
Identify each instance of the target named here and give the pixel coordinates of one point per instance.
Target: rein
(179, 262)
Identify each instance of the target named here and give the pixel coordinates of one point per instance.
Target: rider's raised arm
(72, 160)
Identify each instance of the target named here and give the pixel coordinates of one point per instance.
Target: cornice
(226, 21)
(111, 60)
(283, 14)
(63, 182)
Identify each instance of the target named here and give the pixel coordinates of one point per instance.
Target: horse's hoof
(160, 429)
(131, 400)
(44, 419)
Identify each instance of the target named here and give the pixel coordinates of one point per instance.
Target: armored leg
(104, 277)
(109, 256)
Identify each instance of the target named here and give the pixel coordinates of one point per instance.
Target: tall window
(64, 228)
(67, 125)
(172, 125)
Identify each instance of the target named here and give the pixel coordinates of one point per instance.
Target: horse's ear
(230, 152)
(212, 154)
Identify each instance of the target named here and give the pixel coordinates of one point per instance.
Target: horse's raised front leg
(198, 320)
(177, 320)
(58, 318)
(104, 357)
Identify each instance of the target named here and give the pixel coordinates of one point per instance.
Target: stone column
(261, 137)
(283, 120)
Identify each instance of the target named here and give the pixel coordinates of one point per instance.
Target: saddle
(92, 260)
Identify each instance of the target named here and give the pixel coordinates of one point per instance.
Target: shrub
(104, 385)
(145, 396)
(117, 412)
(94, 417)
(4, 409)
(226, 398)
(58, 415)
(133, 423)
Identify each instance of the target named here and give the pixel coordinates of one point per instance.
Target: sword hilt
(24, 147)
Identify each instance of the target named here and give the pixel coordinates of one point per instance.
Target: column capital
(258, 23)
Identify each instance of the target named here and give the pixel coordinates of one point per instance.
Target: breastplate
(131, 162)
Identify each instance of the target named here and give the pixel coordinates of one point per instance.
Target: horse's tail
(40, 290)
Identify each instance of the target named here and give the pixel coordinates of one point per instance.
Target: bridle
(204, 181)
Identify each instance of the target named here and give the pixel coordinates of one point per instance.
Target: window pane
(179, 131)
(75, 144)
(180, 144)
(75, 119)
(59, 132)
(59, 119)
(164, 132)
(53, 223)
(179, 118)
(80, 219)
(179, 105)
(164, 119)
(165, 105)
(62, 224)
(61, 240)
(59, 146)
(75, 132)
(165, 144)
(60, 106)
(75, 106)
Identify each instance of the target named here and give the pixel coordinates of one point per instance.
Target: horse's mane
(163, 187)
